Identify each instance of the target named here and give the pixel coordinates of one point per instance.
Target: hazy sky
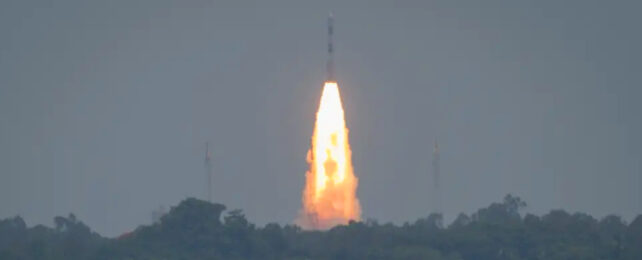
(105, 106)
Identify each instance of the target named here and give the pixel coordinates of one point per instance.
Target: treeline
(197, 229)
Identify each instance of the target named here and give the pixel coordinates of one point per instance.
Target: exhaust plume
(329, 196)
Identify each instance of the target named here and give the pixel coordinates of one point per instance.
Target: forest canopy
(197, 229)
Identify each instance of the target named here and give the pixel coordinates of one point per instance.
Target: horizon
(226, 211)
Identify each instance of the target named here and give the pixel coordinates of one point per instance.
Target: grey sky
(105, 105)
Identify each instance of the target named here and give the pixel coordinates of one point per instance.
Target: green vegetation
(197, 229)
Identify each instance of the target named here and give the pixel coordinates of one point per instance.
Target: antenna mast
(436, 177)
(208, 171)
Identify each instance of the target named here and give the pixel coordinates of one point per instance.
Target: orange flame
(329, 197)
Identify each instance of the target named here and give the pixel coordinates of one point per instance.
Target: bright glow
(329, 197)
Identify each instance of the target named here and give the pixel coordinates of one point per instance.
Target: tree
(194, 230)
(498, 213)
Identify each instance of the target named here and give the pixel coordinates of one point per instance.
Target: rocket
(330, 64)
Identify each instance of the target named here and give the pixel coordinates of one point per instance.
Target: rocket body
(330, 64)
